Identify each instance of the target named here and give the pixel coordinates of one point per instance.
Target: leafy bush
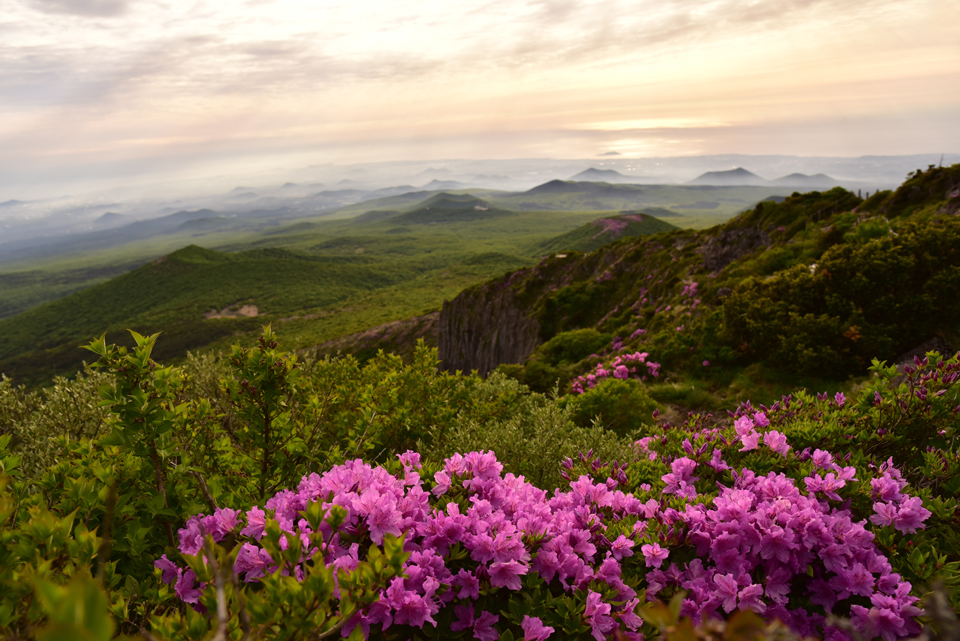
(622, 406)
(572, 347)
(37, 419)
(874, 298)
(172, 523)
(532, 441)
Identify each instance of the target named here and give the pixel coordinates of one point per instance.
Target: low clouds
(85, 8)
(565, 75)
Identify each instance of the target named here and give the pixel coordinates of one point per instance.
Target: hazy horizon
(145, 92)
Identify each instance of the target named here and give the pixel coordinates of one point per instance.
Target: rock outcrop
(398, 337)
(484, 327)
(731, 244)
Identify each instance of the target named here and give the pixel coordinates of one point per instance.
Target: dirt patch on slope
(234, 311)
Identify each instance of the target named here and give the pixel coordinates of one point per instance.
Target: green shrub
(872, 298)
(531, 441)
(572, 347)
(36, 420)
(622, 406)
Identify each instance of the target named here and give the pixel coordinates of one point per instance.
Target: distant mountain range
(741, 176)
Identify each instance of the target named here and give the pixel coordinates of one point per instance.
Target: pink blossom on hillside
(749, 540)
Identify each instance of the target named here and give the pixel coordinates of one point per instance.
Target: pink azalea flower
(256, 522)
(169, 570)
(621, 547)
(534, 630)
(185, 588)
(191, 536)
(911, 515)
(727, 590)
(654, 555)
(465, 618)
(597, 614)
(743, 425)
(750, 598)
(507, 575)
(483, 627)
(750, 441)
(885, 513)
(776, 442)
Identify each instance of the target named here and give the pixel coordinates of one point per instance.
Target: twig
(146, 635)
(223, 617)
(336, 628)
(244, 617)
(211, 502)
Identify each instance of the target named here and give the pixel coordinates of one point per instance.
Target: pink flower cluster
(905, 513)
(623, 367)
(508, 528)
(758, 536)
(762, 533)
(768, 543)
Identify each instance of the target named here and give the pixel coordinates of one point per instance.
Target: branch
(336, 628)
(103, 554)
(146, 635)
(223, 617)
(244, 617)
(211, 502)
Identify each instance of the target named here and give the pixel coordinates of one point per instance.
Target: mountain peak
(738, 176)
(601, 175)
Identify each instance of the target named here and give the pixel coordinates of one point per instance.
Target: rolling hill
(601, 231)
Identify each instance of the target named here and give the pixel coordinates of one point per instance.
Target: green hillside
(35, 273)
(317, 280)
(601, 231)
(810, 289)
(173, 293)
(449, 208)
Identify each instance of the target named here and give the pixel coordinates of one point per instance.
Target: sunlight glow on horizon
(202, 83)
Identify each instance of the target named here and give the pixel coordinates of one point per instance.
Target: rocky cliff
(484, 327)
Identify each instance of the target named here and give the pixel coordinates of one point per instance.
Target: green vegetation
(141, 497)
(120, 488)
(318, 279)
(87, 259)
(598, 233)
(802, 293)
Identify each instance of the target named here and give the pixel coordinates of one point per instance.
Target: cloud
(85, 8)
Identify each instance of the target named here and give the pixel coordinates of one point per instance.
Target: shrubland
(636, 491)
(260, 496)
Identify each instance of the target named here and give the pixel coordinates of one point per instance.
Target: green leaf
(76, 611)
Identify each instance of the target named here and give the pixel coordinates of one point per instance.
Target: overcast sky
(96, 90)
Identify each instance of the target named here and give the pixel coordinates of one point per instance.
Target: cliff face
(484, 327)
(732, 244)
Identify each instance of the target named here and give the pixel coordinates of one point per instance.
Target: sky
(97, 92)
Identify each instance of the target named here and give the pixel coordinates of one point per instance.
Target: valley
(317, 277)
